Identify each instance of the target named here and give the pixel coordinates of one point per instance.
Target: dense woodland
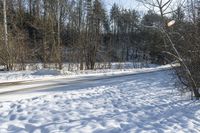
(84, 32)
(81, 31)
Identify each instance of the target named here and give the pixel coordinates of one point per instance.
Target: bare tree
(175, 53)
(9, 66)
(58, 36)
(162, 6)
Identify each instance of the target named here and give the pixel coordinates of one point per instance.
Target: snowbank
(45, 74)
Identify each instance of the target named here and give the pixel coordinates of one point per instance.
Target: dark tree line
(82, 31)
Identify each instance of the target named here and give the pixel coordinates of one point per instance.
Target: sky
(133, 4)
(129, 4)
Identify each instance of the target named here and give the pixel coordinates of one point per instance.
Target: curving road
(65, 84)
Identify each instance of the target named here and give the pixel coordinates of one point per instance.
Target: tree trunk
(58, 37)
(9, 66)
(196, 93)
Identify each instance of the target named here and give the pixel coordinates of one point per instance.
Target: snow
(46, 74)
(146, 103)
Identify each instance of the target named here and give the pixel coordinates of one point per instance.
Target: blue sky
(133, 4)
(129, 4)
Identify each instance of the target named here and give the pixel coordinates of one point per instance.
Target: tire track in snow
(63, 82)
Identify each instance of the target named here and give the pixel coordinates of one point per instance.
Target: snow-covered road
(134, 103)
(18, 85)
(23, 89)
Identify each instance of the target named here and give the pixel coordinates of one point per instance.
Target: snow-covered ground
(46, 74)
(139, 103)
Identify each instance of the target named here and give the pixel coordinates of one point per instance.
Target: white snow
(46, 74)
(146, 103)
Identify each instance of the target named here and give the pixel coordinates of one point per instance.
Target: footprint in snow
(12, 117)
(19, 110)
(21, 118)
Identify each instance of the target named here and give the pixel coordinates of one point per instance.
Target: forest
(85, 32)
(51, 31)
